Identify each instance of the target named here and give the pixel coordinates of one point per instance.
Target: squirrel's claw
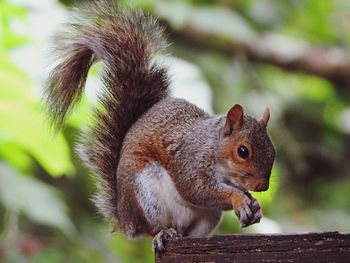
(158, 240)
(249, 213)
(257, 213)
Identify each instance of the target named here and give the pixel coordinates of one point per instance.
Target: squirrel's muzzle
(254, 183)
(263, 185)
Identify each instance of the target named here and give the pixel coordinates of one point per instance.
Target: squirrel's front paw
(247, 209)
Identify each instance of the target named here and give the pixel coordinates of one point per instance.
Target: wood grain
(308, 247)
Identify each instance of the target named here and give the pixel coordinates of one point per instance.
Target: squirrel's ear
(234, 119)
(266, 116)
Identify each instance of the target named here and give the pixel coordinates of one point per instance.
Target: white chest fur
(164, 207)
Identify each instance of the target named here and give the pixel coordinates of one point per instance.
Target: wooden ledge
(305, 247)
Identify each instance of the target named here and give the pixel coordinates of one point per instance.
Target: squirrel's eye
(243, 152)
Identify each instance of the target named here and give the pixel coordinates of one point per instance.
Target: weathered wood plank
(307, 247)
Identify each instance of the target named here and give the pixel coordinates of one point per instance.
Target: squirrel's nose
(262, 186)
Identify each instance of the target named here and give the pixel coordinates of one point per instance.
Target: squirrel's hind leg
(205, 223)
(162, 205)
(158, 242)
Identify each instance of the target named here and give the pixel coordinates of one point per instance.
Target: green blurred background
(217, 58)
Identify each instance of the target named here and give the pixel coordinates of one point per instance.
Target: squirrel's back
(132, 82)
(160, 128)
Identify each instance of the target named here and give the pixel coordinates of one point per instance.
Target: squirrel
(164, 167)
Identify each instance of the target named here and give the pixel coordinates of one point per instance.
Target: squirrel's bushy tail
(126, 43)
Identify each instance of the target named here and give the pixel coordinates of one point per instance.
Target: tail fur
(126, 43)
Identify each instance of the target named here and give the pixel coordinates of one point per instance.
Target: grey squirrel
(164, 167)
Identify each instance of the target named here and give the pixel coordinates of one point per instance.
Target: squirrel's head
(247, 152)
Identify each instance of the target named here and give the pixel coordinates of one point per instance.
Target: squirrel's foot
(249, 212)
(158, 240)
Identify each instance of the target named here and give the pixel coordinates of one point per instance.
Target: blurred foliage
(46, 215)
(38, 201)
(23, 128)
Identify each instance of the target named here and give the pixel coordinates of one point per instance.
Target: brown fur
(236, 200)
(126, 43)
(140, 126)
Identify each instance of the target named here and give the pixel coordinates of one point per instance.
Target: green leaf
(39, 201)
(25, 127)
(297, 86)
(23, 130)
(14, 155)
(313, 20)
(9, 13)
(314, 88)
